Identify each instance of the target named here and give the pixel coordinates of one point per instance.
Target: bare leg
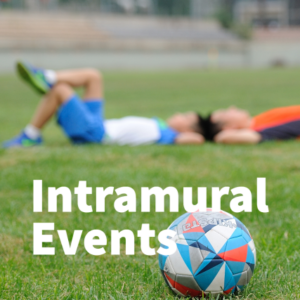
(90, 79)
(59, 94)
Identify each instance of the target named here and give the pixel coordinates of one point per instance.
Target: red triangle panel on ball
(191, 220)
(183, 289)
(238, 254)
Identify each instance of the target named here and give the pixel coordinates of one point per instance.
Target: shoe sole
(27, 76)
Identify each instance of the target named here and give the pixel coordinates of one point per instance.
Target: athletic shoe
(34, 76)
(22, 141)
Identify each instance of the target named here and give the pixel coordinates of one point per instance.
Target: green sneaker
(34, 76)
(22, 141)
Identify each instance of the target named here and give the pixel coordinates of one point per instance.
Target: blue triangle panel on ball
(203, 265)
(229, 279)
(185, 254)
(246, 236)
(208, 227)
(205, 279)
(234, 243)
(212, 264)
(236, 266)
(193, 235)
(204, 244)
(237, 278)
(250, 256)
(238, 232)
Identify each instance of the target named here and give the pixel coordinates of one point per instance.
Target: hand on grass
(190, 138)
(238, 136)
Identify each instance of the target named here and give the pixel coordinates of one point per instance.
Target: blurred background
(150, 34)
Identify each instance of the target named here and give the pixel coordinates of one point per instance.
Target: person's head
(185, 122)
(231, 118)
(193, 122)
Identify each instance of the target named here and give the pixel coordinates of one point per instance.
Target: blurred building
(265, 13)
(116, 33)
(294, 12)
(262, 13)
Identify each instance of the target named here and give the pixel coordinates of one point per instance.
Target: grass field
(276, 234)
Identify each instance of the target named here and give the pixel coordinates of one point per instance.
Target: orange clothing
(278, 123)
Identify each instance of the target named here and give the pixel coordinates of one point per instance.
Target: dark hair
(207, 128)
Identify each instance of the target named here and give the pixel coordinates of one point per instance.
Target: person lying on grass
(236, 126)
(82, 119)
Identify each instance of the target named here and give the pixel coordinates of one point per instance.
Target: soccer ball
(215, 255)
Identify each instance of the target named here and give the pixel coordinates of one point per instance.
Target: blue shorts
(82, 121)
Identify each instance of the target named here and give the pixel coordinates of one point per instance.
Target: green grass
(276, 234)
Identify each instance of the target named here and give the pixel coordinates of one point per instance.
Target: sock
(50, 76)
(32, 132)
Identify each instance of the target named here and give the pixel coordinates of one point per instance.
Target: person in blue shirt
(82, 120)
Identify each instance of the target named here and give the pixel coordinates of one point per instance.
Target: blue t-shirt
(167, 134)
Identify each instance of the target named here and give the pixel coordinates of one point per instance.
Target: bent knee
(61, 87)
(94, 75)
(62, 90)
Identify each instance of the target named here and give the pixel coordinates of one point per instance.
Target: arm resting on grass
(189, 138)
(238, 136)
